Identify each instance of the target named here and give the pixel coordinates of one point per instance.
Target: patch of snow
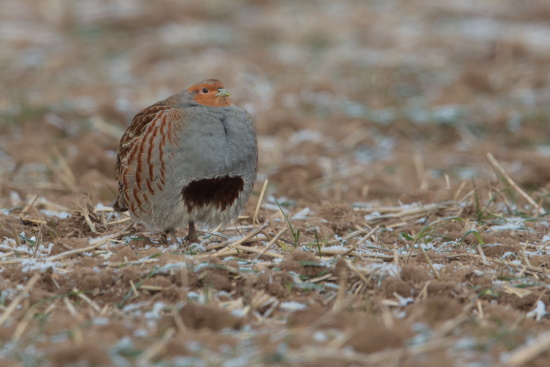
(308, 286)
(382, 268)
(30, 354)
(201, 266)
(541, 251)
(194, 345)
(239, 312)
(369, 252)
(35, 264)
(372, 216)
(155, 314)
(508, 254)
(100, 321)
(100, 206)
(292, 306)
(320, 337)
(189, 361)
(404, 301)
(51, 213)
(423, 335)
(134, 306)
(382, 150)
(9, 293)
(360, 205)
(400, 314)
(335, 248)
(302, 214)
(197, 247)
(117, 243)
(124, 343)
(171, 247)
(466, 173)
(539, 311)
(426, 246)
(145, 259)
(466, 343)
(97, 239)
(544, 150)
(514, 223)
(243, 360)
(196, 297)
(14, 197)
(171, 266)
(301, 136)
(8, 242)
(140, 333)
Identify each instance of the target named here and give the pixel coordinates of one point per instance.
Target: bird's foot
(164, 237)
(192, 235)
(191, 239)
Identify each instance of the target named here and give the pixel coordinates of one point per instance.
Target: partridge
(190, 158)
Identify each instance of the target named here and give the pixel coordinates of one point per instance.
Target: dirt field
(406, 150)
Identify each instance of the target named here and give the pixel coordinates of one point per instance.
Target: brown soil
(371, 117)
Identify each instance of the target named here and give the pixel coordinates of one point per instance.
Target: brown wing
(137, 127)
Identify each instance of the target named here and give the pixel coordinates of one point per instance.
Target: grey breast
(214, 142)
(215, 163)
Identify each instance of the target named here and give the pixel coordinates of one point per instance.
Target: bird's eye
(204, 90)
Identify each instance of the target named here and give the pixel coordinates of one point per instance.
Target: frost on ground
(386, 235)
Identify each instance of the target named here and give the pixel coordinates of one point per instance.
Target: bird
(190, 158)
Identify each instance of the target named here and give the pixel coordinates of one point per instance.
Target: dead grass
(399, 216)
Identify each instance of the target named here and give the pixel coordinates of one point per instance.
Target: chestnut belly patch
(219, 192)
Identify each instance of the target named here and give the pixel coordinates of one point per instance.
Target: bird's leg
(164, 236)
(192, 235)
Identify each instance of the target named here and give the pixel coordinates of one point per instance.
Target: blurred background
(354, 100)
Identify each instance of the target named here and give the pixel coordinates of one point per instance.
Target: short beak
(223, 93)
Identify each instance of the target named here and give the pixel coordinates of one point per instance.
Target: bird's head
(210, 92)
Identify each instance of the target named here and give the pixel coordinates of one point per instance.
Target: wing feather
(137, 127)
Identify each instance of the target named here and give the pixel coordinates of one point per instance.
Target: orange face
(210, 93)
